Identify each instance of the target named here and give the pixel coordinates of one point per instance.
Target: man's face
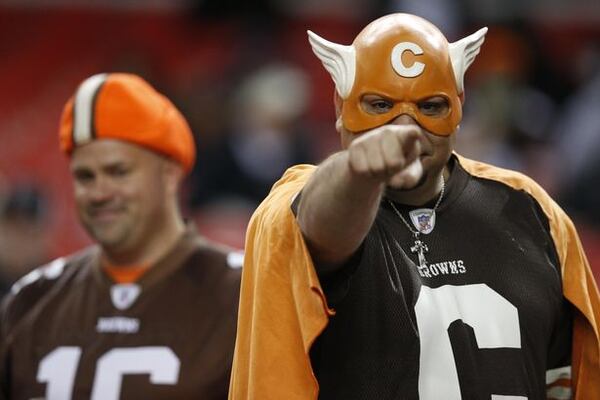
(435, 149)
(405, 60)
(120, 192)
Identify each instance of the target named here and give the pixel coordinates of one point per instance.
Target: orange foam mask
(402, 58)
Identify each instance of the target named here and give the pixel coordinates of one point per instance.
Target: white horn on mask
(462, 55)
(338, 60)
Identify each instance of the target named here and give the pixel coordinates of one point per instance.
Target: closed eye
(83, 175)
(117, 170)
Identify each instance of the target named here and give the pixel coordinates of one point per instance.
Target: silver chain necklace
(419, 247)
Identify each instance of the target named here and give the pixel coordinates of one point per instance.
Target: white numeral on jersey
(160, 362)
(58, 370)
(494, 320)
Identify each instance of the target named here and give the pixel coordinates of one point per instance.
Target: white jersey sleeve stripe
(235, 259)
(48, 271)
(559, 393)
(552, 375)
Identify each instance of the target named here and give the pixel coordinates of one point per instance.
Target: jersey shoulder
(561, 227)
(216, 258)
(511, 178)
(214, 270)
(519, 182)
(29, 291)
(228, 256)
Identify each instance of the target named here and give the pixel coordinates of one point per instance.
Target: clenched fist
(389, 154)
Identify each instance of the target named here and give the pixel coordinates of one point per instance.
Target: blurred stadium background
(258, 101)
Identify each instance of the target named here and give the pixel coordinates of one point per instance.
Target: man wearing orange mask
(150, 311)
(397, 269)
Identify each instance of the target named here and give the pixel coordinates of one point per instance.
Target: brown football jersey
(69, 332)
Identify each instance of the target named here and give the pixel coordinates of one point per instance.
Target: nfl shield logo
(124, 295)
(423, 219)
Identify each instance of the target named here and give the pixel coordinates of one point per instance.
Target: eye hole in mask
(433, 107)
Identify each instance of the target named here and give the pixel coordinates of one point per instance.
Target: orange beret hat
(125, 107)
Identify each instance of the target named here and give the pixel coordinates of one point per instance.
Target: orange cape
(283, 308)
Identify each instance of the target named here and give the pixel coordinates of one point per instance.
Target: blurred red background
(197, 58)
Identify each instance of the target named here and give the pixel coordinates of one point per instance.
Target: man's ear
(339, 125)
(173, 173)
(337, 102)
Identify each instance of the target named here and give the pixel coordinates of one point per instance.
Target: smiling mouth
(100, 215)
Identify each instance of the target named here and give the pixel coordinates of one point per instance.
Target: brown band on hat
(84, 109)
(94, 101)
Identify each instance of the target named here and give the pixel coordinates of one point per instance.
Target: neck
(155, 245)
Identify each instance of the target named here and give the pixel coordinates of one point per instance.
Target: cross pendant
(420, 248)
